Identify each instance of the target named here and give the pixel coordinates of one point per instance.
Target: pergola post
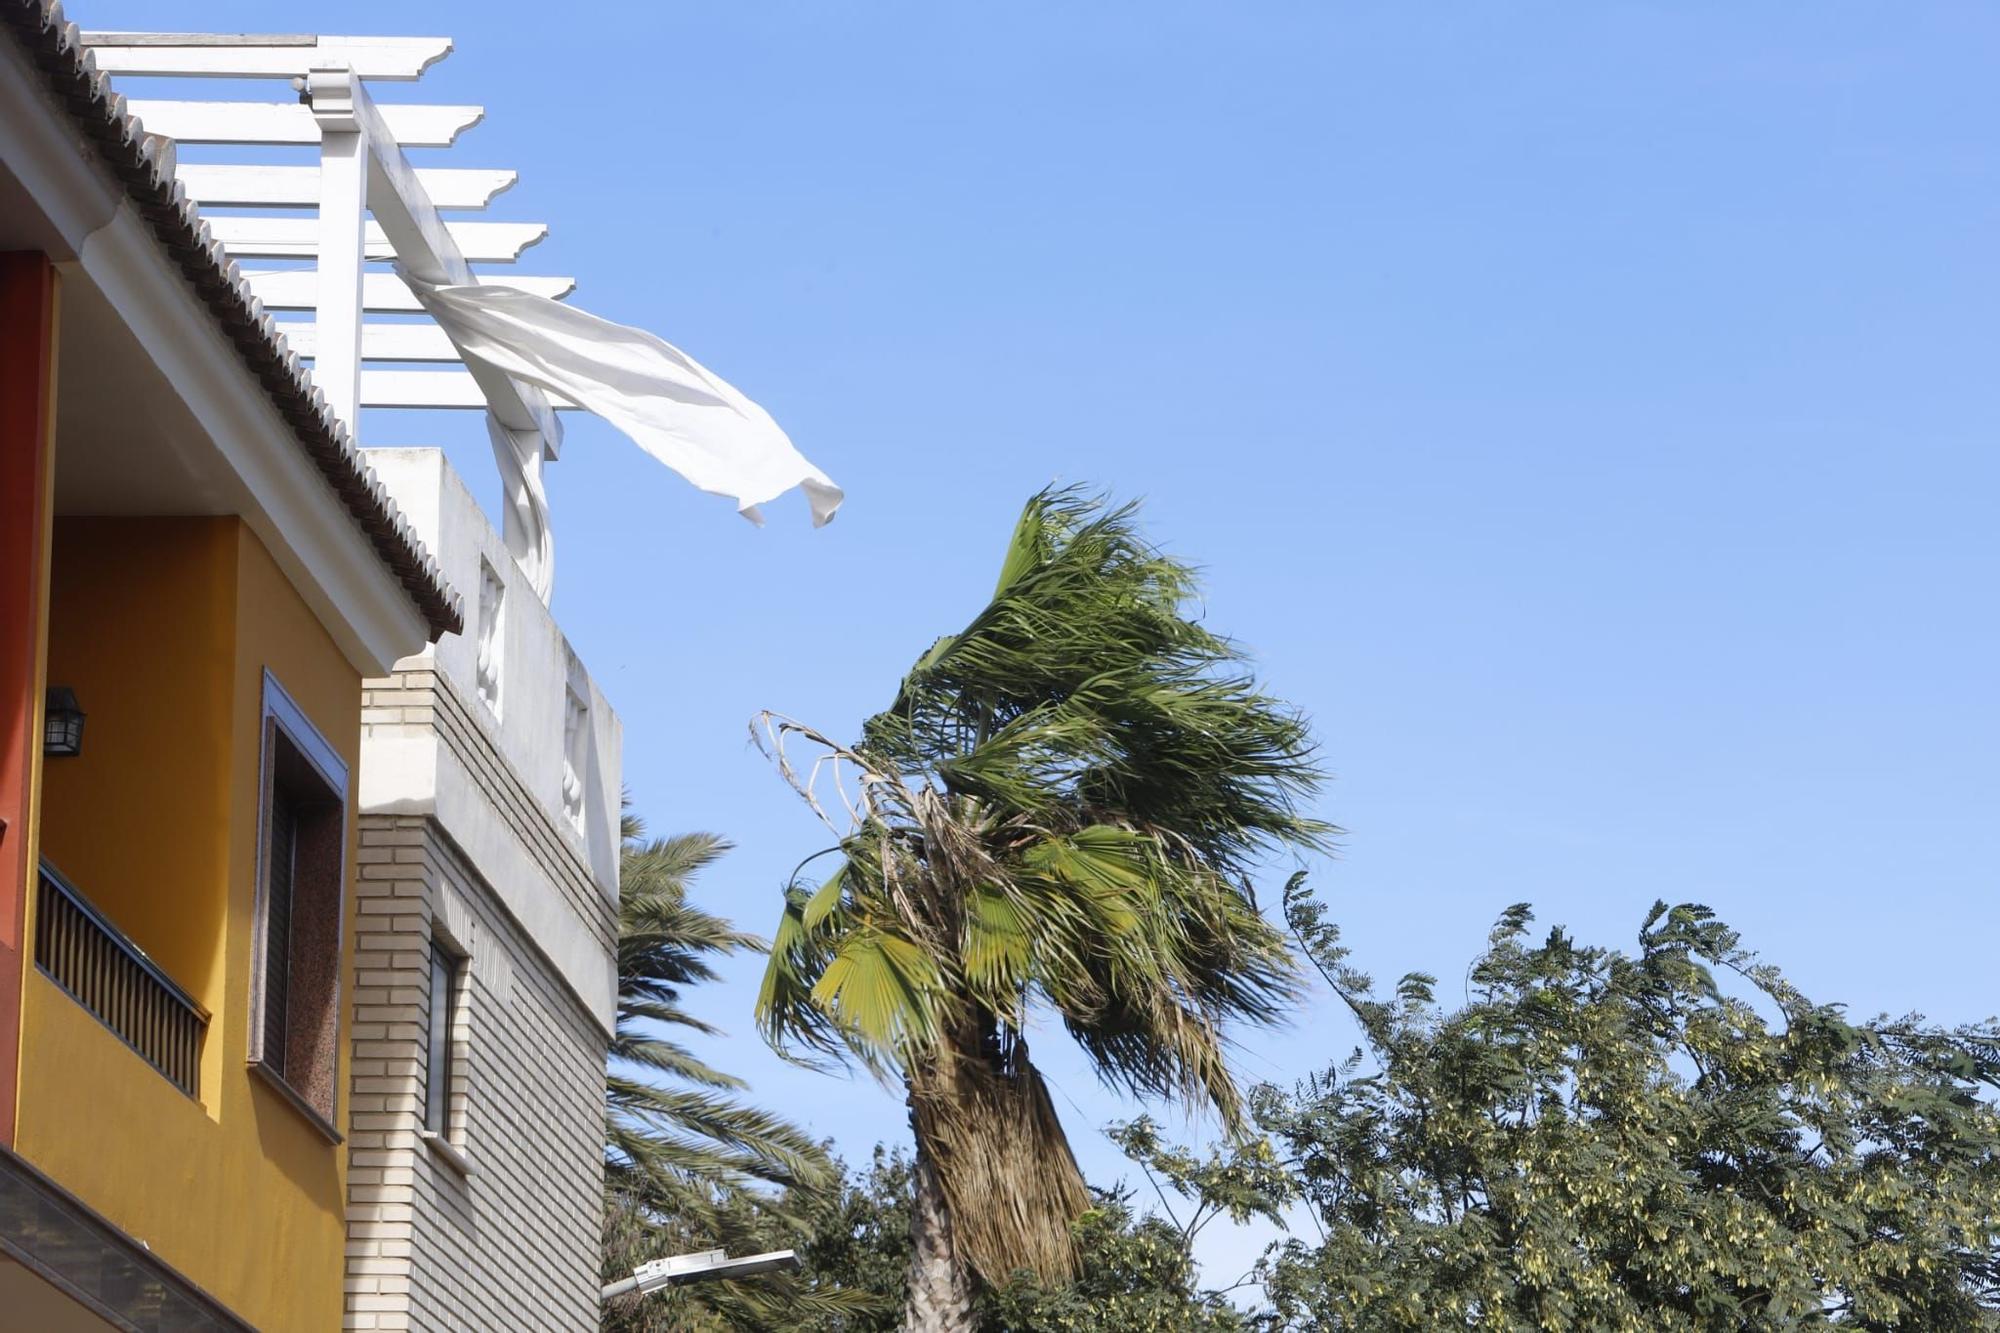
(343, 211)
(363, 167)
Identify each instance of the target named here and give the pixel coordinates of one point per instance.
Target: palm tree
(1058, 812)
(688, 1166)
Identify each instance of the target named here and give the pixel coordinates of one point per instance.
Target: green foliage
(1245, 1180)
(688, 1165)
(1058, 811)
(739, 1221)
(1137, 1277)
(862, 1240)
(1084, 686)
(1058, 807)
(1137, 1274)
(1598, 1140)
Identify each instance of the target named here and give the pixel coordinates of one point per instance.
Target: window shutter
(278, 931)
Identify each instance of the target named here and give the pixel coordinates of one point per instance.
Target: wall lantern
(62, 722)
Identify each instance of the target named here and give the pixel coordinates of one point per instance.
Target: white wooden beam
(213, 184)
(337, 282)
(402, 201)
(291, 123)
(298, 289)
(381, 342)
(454, 389)
(245, 56)
(298, 238)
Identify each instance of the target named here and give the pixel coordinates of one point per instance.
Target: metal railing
(102, 970)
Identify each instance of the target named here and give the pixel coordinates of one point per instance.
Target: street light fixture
(703, 1266)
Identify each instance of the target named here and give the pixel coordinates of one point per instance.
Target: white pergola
(319, 228)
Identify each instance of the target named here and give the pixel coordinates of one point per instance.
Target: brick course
(514, 1243)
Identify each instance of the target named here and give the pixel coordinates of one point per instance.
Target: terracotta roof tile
(144, 165)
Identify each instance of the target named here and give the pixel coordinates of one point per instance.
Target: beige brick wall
(513, 1244)
(419, 700)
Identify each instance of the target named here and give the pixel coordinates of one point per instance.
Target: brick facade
(496, 1227)
(418, 699)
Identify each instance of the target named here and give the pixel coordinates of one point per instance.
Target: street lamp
(703, 1266)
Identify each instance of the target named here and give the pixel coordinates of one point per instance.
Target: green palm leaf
(688, 1164)
(1060, 809)
(882, 990)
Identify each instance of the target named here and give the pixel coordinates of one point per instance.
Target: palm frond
(689, 1165)
(1060, 808)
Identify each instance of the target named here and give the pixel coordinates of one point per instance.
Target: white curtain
(688, 418)
(524, 525)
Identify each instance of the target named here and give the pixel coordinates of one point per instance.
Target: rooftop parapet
(500, 734)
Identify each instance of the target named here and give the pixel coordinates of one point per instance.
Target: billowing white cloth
(683, 415)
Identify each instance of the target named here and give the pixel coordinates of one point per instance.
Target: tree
(1598, 1140)
(687, 1165)
(863, 1236)
(1136, 1272)
(1059, 809)
(1136, 1275)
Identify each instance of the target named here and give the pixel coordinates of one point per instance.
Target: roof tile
(144, 165)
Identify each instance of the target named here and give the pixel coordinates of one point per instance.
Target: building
(312, 951)
(199, 563)
(490, 788)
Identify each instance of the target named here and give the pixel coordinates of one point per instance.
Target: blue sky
(1584, 411)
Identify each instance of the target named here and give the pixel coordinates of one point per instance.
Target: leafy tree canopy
(1136, 1273)
(1603, 1140)
(1670, 1138)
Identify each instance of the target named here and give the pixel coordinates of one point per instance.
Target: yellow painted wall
(164, 628)
(142, 618)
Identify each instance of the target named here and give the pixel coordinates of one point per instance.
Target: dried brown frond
(1006, 1167)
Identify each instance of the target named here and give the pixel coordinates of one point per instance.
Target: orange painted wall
(27, 388)
(164, 627)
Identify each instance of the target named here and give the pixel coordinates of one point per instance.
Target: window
(441, 1044)
(576, 736)
(486, 663)
(294, 1040)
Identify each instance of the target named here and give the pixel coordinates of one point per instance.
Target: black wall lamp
(62, 722)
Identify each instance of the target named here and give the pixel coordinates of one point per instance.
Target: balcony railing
(82, 952)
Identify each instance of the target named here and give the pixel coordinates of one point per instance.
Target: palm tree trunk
(996, 1188)
(940, 1298)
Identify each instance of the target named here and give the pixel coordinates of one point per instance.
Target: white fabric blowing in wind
(687, 417)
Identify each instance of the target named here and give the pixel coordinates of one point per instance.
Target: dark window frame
(289, 739)
(444, 1041)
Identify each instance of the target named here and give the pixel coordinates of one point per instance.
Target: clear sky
(1586, 412)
